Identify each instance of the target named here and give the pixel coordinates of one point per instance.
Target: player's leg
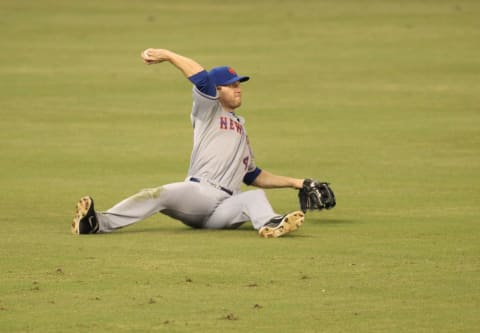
(131, 210)
(184, 201)
(254, 206)
(239, 208)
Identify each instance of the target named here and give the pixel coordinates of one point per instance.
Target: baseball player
(221, 160)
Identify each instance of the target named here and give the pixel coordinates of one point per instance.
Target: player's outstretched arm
(186, 65)
(268, 180)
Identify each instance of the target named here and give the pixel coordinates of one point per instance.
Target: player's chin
(234, 103)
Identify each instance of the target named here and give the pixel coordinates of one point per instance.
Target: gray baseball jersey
(221, 150)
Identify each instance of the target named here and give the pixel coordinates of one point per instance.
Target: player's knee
(258, 193)
(152, 193)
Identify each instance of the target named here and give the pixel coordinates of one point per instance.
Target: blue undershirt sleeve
(202, 81)
(250, 177)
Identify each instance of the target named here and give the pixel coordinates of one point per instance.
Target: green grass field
(381, 98)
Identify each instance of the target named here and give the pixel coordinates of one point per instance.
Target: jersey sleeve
(205, 100)
(250, 177)
(202, 82)
(252, 171)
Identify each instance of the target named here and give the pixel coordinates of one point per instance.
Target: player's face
(230, 96)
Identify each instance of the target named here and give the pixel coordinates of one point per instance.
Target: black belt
(226, 190)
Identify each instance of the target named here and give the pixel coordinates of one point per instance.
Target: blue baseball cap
(225, 75)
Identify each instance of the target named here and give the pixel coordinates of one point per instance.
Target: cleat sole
(81, 211)
(290, 222)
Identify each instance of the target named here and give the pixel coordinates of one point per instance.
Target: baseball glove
(315, 195)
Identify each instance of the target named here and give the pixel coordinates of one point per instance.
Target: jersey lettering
(223, 122)
(245, 162)
(230, 124)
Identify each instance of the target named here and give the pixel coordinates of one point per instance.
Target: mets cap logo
(232, 71)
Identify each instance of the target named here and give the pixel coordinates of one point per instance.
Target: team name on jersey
(230, 124)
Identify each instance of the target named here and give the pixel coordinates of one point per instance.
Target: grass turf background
(380, 98)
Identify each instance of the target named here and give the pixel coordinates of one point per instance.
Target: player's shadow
(171, 229)
(244, 229)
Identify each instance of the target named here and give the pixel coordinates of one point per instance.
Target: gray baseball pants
(196, 204)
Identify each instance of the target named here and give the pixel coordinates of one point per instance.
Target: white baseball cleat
(85, 219)
(279, 226)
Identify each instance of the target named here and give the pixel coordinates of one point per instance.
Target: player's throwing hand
(154, 56)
